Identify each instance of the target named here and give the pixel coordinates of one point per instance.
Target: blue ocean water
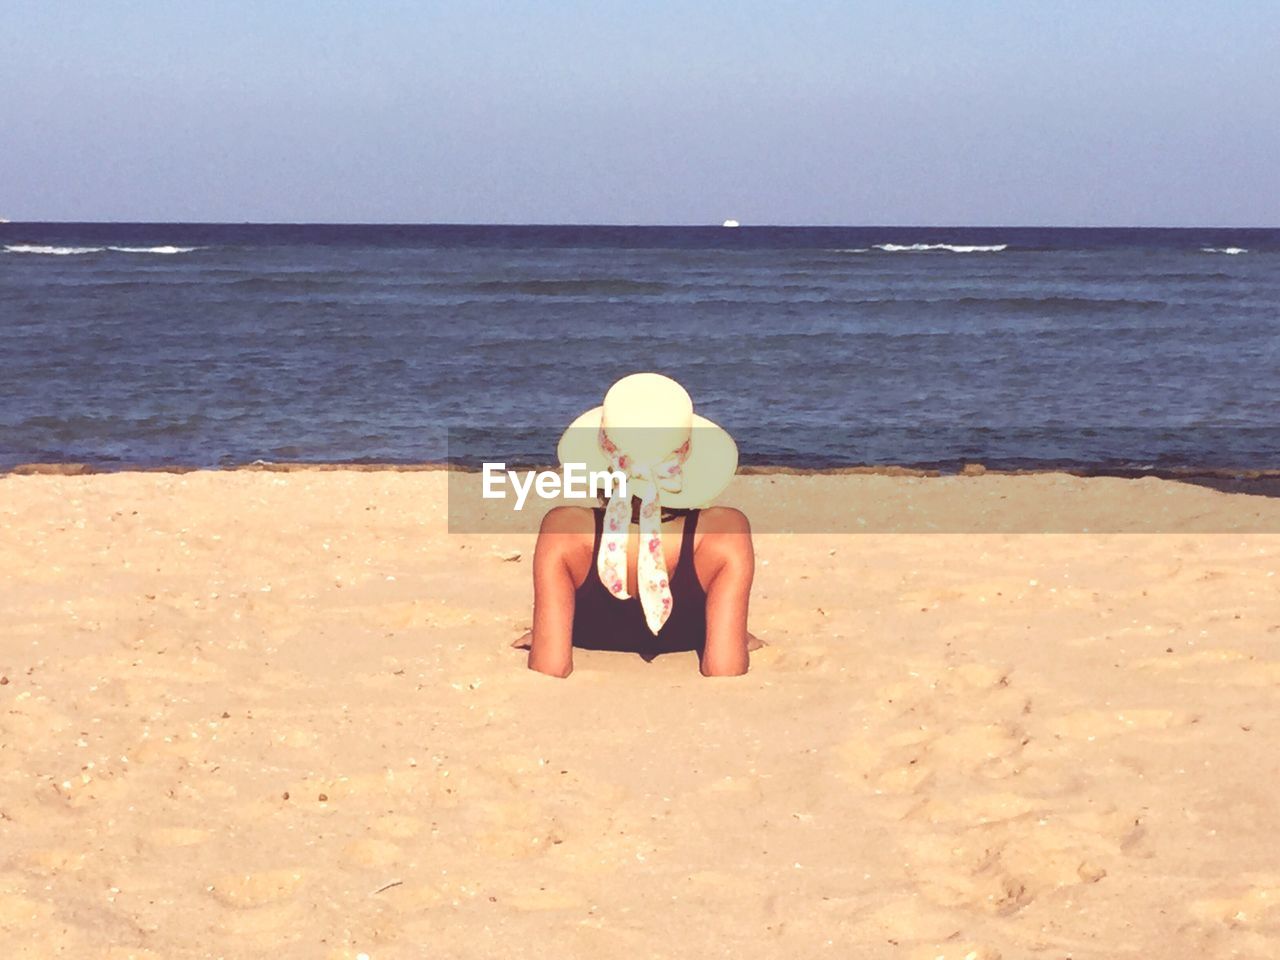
(146, 344)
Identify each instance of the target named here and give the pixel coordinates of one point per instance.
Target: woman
(653, 571)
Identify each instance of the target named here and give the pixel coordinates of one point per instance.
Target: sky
(950, 112)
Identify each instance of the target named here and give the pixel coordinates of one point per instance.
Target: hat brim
(708, 470)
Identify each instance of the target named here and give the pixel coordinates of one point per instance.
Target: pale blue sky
(1131, 112)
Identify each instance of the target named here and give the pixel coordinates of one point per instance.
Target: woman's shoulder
(567, 536)
(723, 544)
(568, 520)
(724, 533)
(723, 520)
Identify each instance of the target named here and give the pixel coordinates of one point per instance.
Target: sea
(1105, 350)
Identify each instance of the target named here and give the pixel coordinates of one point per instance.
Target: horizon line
(616, 225)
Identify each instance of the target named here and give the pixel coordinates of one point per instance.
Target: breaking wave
(166, 249)
(50, 251)
(949, 247)
(73, 251)
(1228, 250)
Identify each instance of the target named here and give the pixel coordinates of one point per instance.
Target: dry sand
(253, 714)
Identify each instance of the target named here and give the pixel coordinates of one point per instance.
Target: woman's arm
(732, 557)
(551, 647)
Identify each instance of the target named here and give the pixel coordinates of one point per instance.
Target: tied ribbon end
(646, 481)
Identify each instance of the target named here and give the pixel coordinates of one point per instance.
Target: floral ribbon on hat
(647, 481)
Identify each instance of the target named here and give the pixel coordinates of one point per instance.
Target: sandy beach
(253, 713)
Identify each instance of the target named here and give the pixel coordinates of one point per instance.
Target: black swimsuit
(603, 622)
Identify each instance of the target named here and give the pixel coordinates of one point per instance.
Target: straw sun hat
(648, 418)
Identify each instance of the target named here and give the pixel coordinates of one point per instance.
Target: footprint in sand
(159, 749)
(910, 777)
(298, 739)
(1253, 907)
(544, 899)
(884, 766)
(413, 897)
(981, 676)
(1214, 666)
(371, 852)
(959, 732)
(397, 615)
(960, 950)
(18, 912)
(515, 843)
(1258, 673)
(974, 809)
(177, 836)
(973, 745)
(919, 929)
(908, 762)
(791, 658)
(424, 786)
(87, 788)
(1123, 829)
(275, 919)
(1194, 660)
(968, 690)
(54, 860)
(397, 826)
(717, 887)
(248, 890)
(1001, 870)
(444, 615)
(1091, 724)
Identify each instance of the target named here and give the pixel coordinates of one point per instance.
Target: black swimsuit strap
(685, 560)
(598, 512)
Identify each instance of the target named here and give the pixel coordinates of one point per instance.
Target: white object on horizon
(731, 223)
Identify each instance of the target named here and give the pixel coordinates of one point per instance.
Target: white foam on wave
(852, 250)
(950, 247)
(166, 250)
(73, 251)
(49, 251)
(1232, 251)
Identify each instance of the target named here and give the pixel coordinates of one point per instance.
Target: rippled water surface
(196, 344)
